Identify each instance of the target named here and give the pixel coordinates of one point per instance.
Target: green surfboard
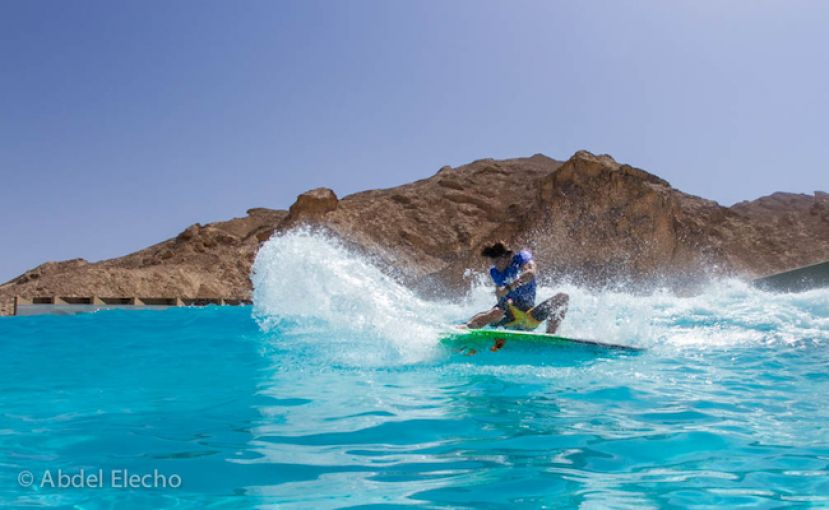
(462, 337)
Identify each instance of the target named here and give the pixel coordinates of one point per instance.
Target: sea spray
(726, 313)
(310, 285)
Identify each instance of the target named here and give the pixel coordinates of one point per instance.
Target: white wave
(309, 284)
(729, 312)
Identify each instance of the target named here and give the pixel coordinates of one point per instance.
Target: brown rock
(590, 219)
(311, 207)
(213, 258)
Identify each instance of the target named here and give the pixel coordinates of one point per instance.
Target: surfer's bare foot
(499, 343)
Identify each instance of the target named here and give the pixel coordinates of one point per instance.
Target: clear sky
(123, 122)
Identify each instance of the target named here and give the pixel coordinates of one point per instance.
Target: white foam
(310, 284)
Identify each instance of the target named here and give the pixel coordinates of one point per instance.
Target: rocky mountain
(588, 219)
(203, 261)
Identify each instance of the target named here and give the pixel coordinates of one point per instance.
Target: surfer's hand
(502, 291)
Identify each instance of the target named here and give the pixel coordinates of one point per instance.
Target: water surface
(335, 392)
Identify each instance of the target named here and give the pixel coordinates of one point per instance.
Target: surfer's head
(499, 253)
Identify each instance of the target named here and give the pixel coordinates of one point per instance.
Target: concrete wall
(6, 306)
(797, 280)
(65, 305)
(73, 309)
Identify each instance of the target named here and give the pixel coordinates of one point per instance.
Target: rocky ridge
(589, 219)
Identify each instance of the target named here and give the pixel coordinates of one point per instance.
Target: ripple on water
(298, 410)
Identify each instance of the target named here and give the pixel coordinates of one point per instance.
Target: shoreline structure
(589, 220)
(57, 305)
(796, 280)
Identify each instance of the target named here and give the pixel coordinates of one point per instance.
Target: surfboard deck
(459, 336)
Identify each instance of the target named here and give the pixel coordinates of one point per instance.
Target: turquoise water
(334, 392)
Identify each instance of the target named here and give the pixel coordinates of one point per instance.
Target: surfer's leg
(560, 304)
(485, 318)
(553, 310)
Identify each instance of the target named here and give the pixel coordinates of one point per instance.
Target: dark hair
(495, 250)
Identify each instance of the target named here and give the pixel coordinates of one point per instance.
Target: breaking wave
(308, 285)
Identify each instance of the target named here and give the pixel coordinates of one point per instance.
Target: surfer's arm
(525, 276)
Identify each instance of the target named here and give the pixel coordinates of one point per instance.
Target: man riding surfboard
(514, 278)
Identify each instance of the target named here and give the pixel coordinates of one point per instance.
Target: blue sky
(123, 122)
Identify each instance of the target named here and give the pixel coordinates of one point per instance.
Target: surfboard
(461, 337)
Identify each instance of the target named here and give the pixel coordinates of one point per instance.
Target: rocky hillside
(590, 219)
(203, 261)
(599, 222)
(790, 230)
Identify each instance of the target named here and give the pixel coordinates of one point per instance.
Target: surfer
(514, 278)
